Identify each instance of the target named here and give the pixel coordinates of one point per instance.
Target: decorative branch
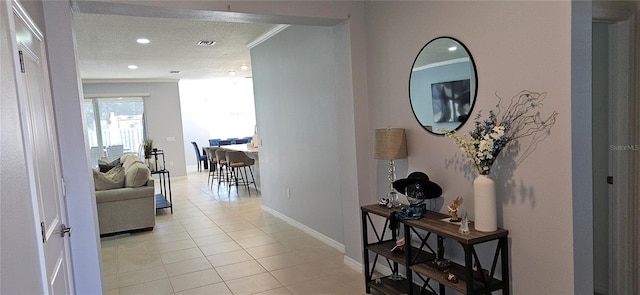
(490, 136)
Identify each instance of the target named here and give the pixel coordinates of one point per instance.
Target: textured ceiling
(106, 45)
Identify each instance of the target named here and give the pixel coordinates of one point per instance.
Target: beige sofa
(130, 206)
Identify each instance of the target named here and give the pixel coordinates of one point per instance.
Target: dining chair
(242, 141)
(225, 142)
(115, 152)
(199, 158)
(214, 142)
(94, 156)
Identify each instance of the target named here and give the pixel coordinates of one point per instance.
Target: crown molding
(94, 81)
(264, 37)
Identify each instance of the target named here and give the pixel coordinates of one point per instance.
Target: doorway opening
(616, 147)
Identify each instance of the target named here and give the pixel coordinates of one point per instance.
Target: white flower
(498, 132)
(490, 136)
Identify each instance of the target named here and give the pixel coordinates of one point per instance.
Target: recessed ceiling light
(133, 67)
(244, 67)
(453, 48)
(143, 41)
(205, 43)
(232, 73)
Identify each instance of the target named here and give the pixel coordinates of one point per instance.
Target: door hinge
(21, 61)
(42, 231)
(64, 230)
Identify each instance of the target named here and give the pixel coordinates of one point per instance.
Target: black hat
(418, 181)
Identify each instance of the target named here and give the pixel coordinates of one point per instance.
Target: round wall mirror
(443, 85)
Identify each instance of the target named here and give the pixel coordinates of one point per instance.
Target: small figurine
(399, 244)
(453, 209)
(452, 278)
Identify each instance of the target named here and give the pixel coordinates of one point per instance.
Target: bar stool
(213, 164)
(237, 160)
(221, 157)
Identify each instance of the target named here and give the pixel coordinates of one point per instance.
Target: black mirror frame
(475, 75)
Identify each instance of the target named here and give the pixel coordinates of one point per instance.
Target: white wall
(347, 101)
(215, 108)
(162, 114)
(516, 45)
(74, 150)
(294, 85)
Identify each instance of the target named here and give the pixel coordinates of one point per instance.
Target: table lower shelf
(388, 286)
(161, 202)
(429, 270)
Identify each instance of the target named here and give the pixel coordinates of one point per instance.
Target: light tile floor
(216, 243)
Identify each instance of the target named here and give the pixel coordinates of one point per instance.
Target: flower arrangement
(520, 118)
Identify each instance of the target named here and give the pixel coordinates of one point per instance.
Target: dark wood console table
(420, 259)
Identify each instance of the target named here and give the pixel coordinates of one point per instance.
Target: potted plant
(148, 147)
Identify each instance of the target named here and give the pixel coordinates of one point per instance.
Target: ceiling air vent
(205, 43)
(174, 72)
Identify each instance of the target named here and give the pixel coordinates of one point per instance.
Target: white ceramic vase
(484, 198)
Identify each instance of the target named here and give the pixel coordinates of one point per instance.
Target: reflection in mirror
(443, 85)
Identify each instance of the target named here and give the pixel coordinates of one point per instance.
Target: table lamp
(391, 144)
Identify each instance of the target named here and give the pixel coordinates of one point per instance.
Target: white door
(43, 157)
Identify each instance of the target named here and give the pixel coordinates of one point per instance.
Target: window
(115, 126)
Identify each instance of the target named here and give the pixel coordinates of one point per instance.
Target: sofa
(125, 196)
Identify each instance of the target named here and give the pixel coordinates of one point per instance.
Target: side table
(163, 199)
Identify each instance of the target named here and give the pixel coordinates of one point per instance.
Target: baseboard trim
(350, 262)
(329, 241)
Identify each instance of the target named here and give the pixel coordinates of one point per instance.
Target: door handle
(64, 230)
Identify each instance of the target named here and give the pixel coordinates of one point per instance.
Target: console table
(163, 199)
(421, 259)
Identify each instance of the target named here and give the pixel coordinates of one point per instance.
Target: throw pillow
(105, 168)
(105, 165)
(129, 159)
(116, 174)
(104, 181)
(136, 175)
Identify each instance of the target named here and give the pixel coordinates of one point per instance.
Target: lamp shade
(391, 144)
